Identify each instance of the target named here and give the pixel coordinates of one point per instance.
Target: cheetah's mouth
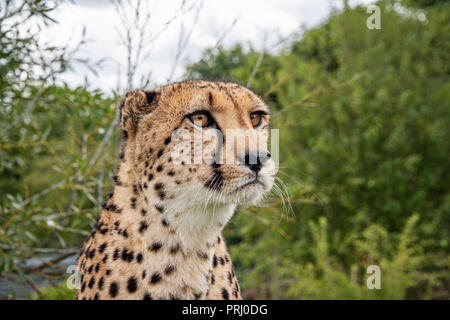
(256, 180)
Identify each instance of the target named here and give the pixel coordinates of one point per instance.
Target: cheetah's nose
(255, 160)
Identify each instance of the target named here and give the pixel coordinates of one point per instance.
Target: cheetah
(159, 233)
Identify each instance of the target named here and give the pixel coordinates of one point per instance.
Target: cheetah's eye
(256, 118)
(201, 118)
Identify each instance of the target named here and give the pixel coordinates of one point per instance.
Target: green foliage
(59, 292)
(55, 168)
(57, 154)
(325, 278)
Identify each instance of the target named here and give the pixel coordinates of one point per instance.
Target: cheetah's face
(206, 143)
(225, 149)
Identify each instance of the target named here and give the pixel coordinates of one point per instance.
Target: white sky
(256, 21)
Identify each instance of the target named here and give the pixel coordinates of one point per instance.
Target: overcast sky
(259, 23)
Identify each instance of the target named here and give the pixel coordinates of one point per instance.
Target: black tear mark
(216, 181)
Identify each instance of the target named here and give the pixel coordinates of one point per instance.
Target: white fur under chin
(199, 214)
(197, 228)
(196, 217)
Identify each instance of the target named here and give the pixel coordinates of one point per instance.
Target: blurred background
(364, 118)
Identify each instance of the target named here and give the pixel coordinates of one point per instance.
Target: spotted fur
(159, 233)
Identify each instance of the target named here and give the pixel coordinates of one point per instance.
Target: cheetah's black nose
(255, 160)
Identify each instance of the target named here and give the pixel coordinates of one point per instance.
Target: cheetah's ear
(136, 104)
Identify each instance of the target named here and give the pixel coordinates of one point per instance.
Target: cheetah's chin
(249, 191)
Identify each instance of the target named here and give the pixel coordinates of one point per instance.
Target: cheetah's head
(204, 143)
